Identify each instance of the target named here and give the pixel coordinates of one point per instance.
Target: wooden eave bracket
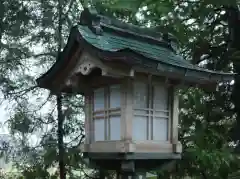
(87, 63)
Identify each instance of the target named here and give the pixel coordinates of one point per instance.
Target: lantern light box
(130, 78)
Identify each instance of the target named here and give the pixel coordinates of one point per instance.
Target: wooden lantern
(129, 77)
(133, 115)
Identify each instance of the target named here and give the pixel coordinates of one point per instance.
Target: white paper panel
(160, 129)
(140, 95)
(139, 128)
(115, 96)
(99, 99)
(115, 128)
(99, 129)
(160, 97)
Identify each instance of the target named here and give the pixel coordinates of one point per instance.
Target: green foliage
(204, 131)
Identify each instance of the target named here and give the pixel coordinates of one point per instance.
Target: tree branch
(52, 54)
(69, 21)
(22, 92)
(69, 8)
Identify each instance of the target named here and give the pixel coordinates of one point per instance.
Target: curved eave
(45, 80)
(76, 40)
(193, 75)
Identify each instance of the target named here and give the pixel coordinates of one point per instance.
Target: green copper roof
(112, 42)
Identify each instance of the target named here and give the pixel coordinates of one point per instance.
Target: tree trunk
(60, 134)
(60, 130)
(234, 28)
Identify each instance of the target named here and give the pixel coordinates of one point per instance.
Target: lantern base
(130, 162)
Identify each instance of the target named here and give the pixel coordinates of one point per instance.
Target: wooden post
(175, 117)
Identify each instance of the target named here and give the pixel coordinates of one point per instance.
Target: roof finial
(90, 18)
